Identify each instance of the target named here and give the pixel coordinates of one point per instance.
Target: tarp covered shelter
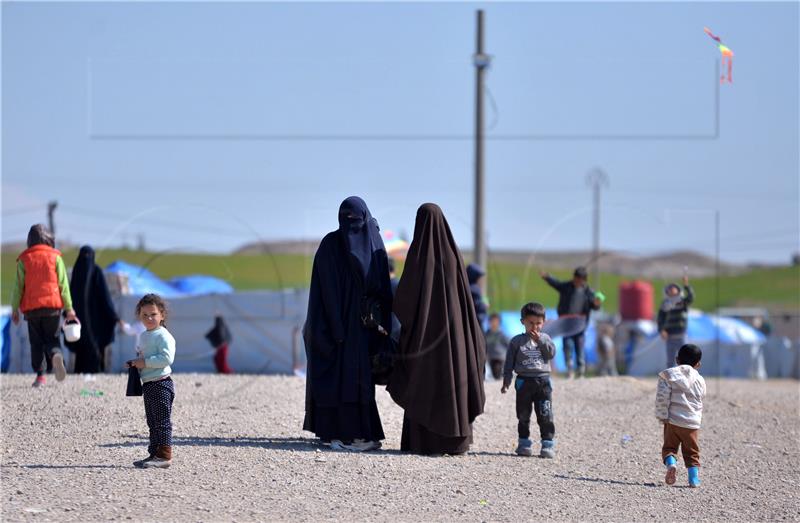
(739, 355)
(266, 328)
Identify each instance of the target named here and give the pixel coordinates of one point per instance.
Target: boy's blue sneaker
(548, 449)
(525, 447)
(672, 470)
(694, 477)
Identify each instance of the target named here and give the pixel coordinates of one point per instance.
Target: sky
(204, 126)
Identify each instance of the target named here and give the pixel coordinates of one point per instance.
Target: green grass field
(510, 285)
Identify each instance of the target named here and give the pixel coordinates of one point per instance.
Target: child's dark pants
(158, 397)
(535, 394)
(43, 335)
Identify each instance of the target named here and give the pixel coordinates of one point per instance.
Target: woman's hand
(138, 363)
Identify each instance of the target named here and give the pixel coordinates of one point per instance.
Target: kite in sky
(727, 56)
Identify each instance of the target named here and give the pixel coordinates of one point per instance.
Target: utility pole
(597, 179)
(51, 209)
(481, 62)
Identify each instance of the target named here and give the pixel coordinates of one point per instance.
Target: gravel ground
(240, 455)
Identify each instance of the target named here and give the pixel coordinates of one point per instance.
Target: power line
(164, 224)
(24, 210)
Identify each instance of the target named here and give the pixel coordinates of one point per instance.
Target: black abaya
(95, 310)
(350, 263)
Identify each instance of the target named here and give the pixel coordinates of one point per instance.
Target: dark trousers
(575, 344)
(158, 397)
(674, 343)
(43, 335)
(675, 438)
(496, 365)
(535, 394)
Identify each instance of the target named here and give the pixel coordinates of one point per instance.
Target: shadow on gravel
(306, 444)
(296, 444)
(65, 466)
(609, 481)
(509, 454)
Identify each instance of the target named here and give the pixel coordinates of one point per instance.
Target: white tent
(266, 328)
(782, 358)
(737, 355)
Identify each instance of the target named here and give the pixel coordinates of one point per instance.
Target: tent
(782, 358)
(200, 284)
(739, 355)
(141, 281)
(5, 345)
(266, 328)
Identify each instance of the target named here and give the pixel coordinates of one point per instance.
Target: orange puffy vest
(40, 288)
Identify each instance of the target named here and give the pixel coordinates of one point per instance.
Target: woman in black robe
(92, 303)
(350, 270)
(438, 374)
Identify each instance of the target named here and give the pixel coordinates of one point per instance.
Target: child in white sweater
(679, 406)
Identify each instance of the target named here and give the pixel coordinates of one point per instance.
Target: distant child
(577, 299)
(156, 354)
(529, 357)
(679, 406)
(496, 346)
(41, 292)
(673, 316)
(606, 350)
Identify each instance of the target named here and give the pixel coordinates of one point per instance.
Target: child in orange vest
(41, 291)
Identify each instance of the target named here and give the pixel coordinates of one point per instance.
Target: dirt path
(240, 456)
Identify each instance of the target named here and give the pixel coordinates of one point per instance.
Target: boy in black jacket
(575, 298)
(673, 317)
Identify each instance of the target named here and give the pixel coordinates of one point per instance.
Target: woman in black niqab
(92, 303)
(350, 264)
(438, 374)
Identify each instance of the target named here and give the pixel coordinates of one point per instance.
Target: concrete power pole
(51, 209)
(597, 179)
(481, 62)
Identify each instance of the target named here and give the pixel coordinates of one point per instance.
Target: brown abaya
(438, 375)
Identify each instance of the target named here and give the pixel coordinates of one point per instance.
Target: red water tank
(636, 300)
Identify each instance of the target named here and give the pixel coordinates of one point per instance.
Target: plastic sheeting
(5, 344)
(740, 352)
(141, 281)
(266, 328)
(200, 284)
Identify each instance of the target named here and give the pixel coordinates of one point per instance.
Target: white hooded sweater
(679, 396)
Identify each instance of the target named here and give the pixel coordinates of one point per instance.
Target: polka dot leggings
(158, 397)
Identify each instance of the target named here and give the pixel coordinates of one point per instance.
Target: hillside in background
(664, 265)
(512, 281)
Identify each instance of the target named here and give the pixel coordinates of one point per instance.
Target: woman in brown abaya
(438, 373)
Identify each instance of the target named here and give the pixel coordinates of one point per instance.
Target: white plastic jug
(72, 330)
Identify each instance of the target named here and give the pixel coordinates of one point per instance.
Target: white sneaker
(358, 445)
(156, 463)
(58, 366)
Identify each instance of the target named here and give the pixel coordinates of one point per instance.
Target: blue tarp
(200, 284)
(703, 327)
(141, 281)
(5, 347)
